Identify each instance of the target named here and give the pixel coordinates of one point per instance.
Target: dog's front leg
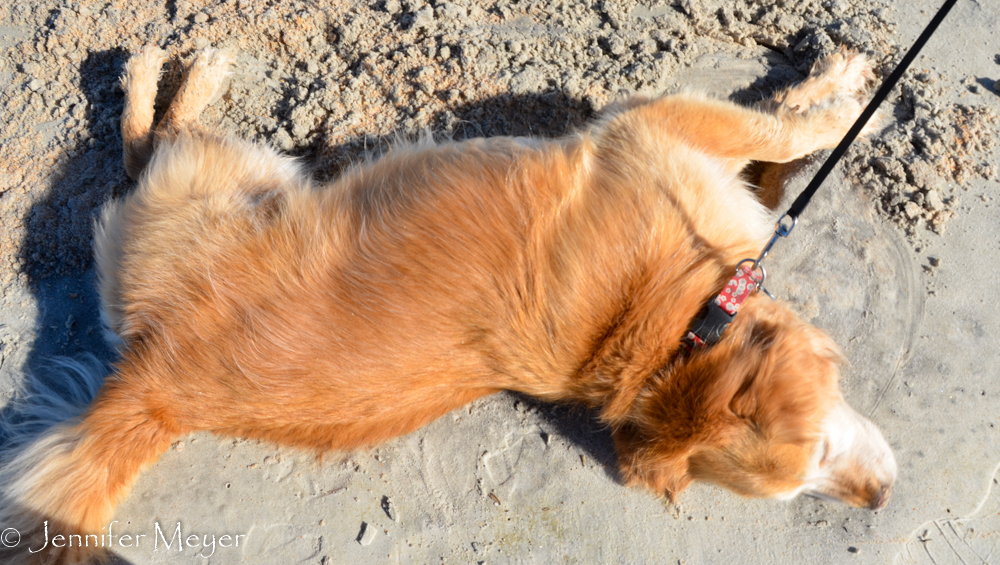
(810, 116)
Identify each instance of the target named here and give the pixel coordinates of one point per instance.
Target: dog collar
(716, 315)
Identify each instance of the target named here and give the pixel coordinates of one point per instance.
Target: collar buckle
(715, 316)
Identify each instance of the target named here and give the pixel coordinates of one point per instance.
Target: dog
(248, 301)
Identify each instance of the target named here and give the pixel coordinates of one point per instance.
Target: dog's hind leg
(202, 83)
(139, 83)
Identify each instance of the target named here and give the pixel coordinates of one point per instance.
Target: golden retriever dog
(248, 301)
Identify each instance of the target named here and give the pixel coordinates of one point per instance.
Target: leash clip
(781, 229)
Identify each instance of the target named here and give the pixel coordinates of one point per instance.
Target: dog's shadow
(581, 427)
(55, 251)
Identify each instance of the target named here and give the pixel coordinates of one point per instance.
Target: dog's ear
(661, 468)
(791, 368)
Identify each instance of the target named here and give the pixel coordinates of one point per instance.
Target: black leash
(788, 220)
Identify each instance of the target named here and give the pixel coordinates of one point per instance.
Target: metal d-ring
(756, 266)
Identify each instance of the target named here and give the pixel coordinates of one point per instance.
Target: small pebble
(933, 200)
(367, 534)
(617, 45)
(388, 508)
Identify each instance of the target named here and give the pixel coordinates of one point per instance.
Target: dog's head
(759, 413)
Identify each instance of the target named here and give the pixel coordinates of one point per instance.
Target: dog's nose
(881, 498)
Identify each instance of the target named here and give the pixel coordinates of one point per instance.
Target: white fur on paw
(151, 58)
(214, 60)
(143, 69)
(857, 74)
(850, 72)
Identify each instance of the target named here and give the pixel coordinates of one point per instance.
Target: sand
(894, 259)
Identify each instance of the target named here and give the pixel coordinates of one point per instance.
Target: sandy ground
(895, 259)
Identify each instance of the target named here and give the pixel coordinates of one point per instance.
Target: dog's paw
(873, 125)
(832, 79)
(842, 74)
(151, 57)
(826, 125)
(211, 66)
(212, 58)
(143, 69)
(203, 83)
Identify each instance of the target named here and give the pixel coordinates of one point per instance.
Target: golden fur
(249, 301)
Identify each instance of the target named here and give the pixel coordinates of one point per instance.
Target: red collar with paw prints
(707, 327)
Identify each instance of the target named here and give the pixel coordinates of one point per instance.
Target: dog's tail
(66, 481)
